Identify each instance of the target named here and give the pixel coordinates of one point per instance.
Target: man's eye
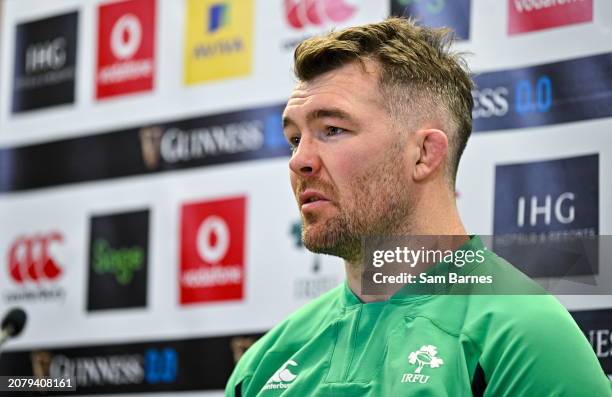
(331, 131)
(294, 142)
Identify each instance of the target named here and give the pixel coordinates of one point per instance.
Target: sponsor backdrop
(146, 220)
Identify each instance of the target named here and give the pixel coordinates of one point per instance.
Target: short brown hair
(418, 72)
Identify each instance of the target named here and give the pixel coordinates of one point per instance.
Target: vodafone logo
(213, 239)
(126, 48)
(212, 250)
(30, 260)
(534, 5)
(301, 13)
(531, 15)
(126, 36)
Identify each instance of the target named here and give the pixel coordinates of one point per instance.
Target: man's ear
(433, 145)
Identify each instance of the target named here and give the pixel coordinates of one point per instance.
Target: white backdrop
(275, 268)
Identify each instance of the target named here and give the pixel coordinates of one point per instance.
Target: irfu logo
(426, 355)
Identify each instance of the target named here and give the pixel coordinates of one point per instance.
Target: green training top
(425, 345)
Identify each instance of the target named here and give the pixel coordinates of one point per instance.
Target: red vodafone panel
(126, 48)
(528, 15)
(212, 250)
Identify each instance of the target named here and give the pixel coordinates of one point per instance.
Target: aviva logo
(217, 17)
(218, 41)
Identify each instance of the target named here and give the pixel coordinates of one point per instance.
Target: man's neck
(441, 223)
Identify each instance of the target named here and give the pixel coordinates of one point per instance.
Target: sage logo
(454, 14)
(118, 258)
(45, 62)
(122, 263)
(540, 202)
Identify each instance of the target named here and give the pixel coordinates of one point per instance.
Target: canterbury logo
(281, 378)
(29, 258)
(301, 13)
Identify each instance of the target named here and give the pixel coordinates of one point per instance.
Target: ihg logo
(118, 257)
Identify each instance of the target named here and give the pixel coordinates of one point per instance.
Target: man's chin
(330, 242)
(317, 246)
(317, 236)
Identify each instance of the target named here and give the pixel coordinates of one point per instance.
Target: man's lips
(310, 199)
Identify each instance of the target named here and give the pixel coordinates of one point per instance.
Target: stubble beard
(381, 206)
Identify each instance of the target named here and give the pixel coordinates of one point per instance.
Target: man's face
(349, 168)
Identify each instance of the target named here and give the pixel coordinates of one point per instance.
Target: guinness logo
(150, 141)
(41, 361)
(239, 345)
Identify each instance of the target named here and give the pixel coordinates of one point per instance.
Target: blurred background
(147, 225)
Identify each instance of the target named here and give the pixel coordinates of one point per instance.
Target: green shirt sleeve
(237, 382)
(541, 352)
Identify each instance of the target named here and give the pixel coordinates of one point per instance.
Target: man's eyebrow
(321, 113)
(329, 112)
(287, 121)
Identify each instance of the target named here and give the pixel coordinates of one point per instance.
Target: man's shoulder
(518, 314)
(516, 301)
(524, 337)
(295, 330)
(305, 322)
(524, 341)
(507, 279)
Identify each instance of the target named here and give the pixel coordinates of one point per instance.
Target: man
(377, 124)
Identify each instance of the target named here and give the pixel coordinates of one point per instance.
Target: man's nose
(305, 160)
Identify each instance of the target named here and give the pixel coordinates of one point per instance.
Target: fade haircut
(420, 77)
